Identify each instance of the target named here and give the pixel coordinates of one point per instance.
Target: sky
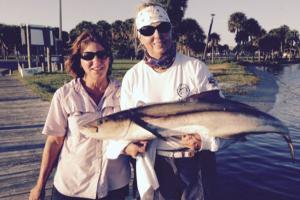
(269, 13)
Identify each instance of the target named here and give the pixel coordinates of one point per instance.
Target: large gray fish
(205, 113)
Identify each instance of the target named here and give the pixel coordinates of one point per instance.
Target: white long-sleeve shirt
(142, 85)
(187, 76)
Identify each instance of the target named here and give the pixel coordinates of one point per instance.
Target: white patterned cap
(149, 15)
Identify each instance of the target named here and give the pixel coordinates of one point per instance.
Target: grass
(233, 78)
(124, 64)
(45, 84)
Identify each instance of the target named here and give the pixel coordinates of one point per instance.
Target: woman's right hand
(51, 151)
(36, 193)
(133, 149)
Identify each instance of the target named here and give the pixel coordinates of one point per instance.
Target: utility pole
(60, 21)
(208, 37)
(60, 43)
(28, 45)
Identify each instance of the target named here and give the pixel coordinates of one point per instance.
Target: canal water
(260, 168)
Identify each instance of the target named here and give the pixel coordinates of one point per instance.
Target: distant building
(3, 49)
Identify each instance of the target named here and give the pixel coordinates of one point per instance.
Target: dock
(22, 117)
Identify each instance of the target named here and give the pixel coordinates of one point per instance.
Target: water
(261, 168)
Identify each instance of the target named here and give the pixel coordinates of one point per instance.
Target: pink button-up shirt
(83, 168)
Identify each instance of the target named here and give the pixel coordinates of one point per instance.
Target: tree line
(250, 37)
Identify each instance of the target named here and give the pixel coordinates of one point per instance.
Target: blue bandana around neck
(164, 62)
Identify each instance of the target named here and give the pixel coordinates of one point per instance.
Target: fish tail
(291, 146)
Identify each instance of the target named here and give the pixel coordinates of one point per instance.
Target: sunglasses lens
(147, 30)
(102, 54)
(164, 27)
(91, 55)
(87, 55)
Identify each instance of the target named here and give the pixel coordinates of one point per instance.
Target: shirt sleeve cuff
(209, 143)
(115, 148)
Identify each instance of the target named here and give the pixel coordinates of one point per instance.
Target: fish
(206, 113)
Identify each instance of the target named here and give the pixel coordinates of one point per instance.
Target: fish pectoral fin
(148, 127)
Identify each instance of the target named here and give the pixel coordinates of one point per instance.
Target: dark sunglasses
(91, 55)
(163, 27)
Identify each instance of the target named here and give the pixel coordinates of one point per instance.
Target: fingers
(142, 146)
(133, 149)
(197, 136)
(197, 146)
(34, 194)
(192, 141)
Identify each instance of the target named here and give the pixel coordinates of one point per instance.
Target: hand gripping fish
(206, 113)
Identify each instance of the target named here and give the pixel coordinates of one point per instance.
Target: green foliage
(236, 21)
(11, 36)
(45, 84)
(123, 39)
(190, 36)
(269, 42)
(104, 29)
(233, 76)
(252, 27)
(175, 9)
(82, 26)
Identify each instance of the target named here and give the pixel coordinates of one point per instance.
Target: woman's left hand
(192, 141)
(133, 149)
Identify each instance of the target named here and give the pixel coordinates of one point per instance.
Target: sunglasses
(91, 55)
(163, 27)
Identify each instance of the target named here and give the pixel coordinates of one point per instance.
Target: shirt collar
(111, 95)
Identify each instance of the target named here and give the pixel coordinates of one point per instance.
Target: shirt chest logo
(183, 90)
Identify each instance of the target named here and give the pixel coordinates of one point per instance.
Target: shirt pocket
(75, 120)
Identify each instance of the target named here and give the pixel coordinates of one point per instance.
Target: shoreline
(261, 95)
(249, 84)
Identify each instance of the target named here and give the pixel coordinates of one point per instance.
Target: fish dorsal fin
(212, 95)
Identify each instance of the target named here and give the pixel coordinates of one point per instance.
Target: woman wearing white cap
(165, 75)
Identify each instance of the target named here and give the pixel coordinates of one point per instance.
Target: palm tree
(123, 45)
(130, 37)
(236, 21)
(268, 44)
(292, 40)
(235, 25)
(214, 43)
(82, 26)
(293, 37)
(252, 27)
(253, 32)
(281, 33)
(104, 29)
(224, 49)
(190, 36)
(176, 10)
